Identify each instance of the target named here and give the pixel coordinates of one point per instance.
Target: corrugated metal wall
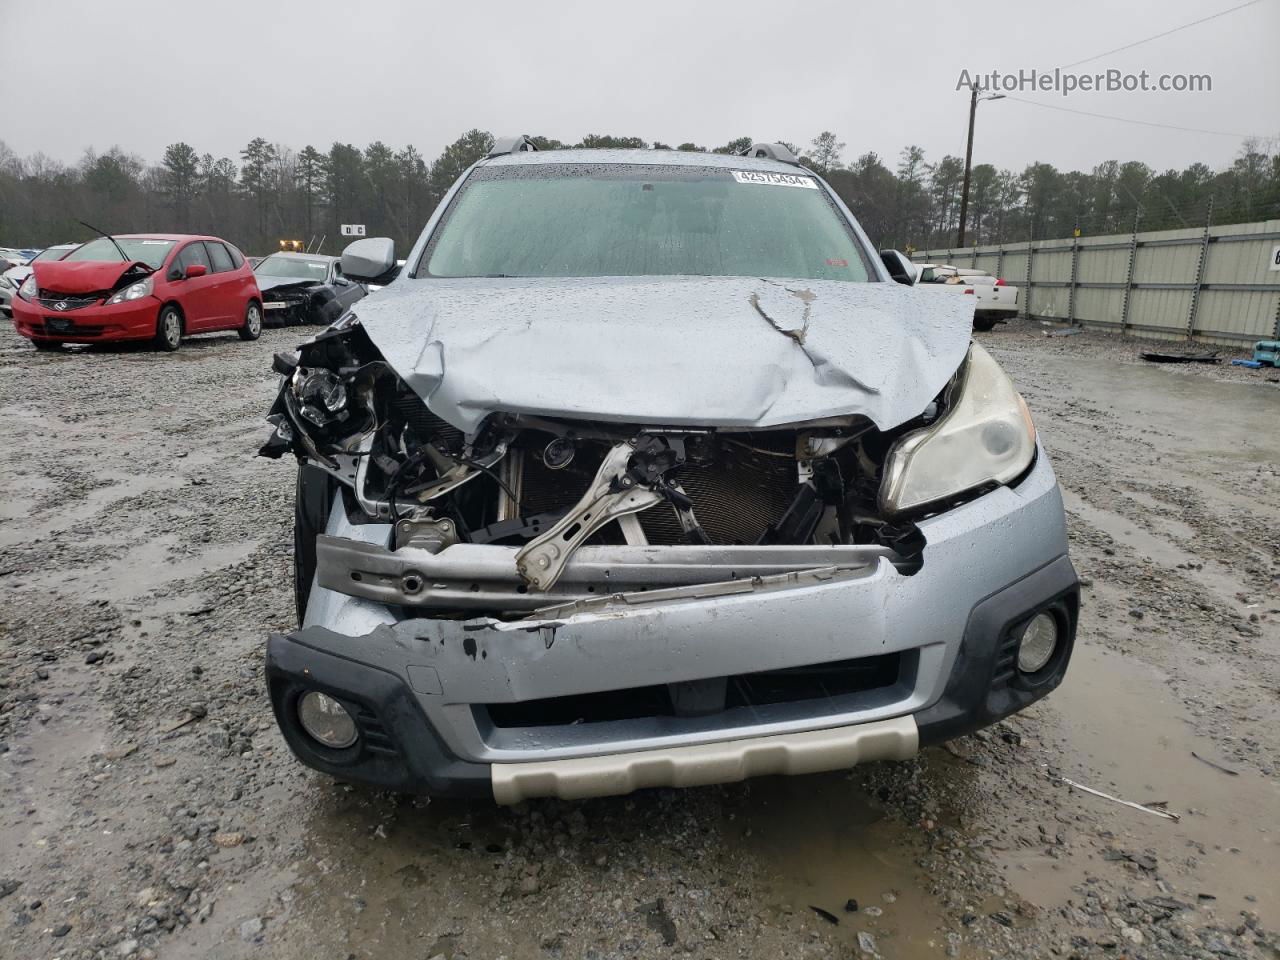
(1215, 284)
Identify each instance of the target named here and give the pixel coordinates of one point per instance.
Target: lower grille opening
(706, 697)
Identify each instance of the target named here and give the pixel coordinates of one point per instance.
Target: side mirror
(370, 259)
(195, 270)
(900, 267)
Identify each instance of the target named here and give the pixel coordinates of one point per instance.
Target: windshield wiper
(123, 256)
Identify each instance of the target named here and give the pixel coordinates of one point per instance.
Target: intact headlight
(985, 437)
(28, 288)
(5, 282)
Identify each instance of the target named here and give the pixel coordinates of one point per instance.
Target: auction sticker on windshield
(774, 179)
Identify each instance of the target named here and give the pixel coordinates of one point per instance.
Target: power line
(1145, 123)
(1138, 43)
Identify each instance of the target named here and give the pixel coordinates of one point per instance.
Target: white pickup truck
(995, 300)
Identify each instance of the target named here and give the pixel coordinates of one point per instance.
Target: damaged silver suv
(645, 473)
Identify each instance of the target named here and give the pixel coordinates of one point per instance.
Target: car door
(246, 279)
(196, 295)
(228, 302)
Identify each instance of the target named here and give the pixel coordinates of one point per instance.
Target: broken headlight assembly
(321, 395)
(985, 437)
(28, 289)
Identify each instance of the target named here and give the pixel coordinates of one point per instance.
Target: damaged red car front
(156, 287)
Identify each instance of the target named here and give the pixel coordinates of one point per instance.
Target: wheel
(984, 323)
(251, 329)
(169, 329)
(313, 500)
(47, 344)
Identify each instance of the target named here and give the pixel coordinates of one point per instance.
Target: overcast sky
(145, 73)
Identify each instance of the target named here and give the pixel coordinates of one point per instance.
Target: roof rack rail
(771, 151)
(505, 145)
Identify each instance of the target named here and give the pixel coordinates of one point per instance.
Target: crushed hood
(685, 351)
(84, 276)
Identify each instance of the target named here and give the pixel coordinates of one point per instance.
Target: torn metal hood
(85, 276)
(732, 352)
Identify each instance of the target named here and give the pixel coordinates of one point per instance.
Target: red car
(157, 287)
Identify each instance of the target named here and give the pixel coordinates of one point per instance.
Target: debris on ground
(1155, 357)
(1146, 808)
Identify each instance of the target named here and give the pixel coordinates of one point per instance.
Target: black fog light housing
(326, 720)
(1038, 643)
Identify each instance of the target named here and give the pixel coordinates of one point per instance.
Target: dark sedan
(304, 288)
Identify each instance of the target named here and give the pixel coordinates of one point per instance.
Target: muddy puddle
(820, 843)
(1203, 429)
(1123, 730)
(36, 803)
(1166, 550)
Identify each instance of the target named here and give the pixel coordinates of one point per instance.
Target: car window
(52, 253)
(293, 268)
(150, 251)
(631, 220)
(236, 256)
(219, 256)
(190, 255)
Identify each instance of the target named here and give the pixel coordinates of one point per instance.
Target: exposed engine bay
(583, 509)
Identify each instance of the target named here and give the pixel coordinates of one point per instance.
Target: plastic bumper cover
(135, 320)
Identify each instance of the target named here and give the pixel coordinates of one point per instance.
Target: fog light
(1039, 640)
(326, 720)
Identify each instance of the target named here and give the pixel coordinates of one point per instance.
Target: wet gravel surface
(148, 807)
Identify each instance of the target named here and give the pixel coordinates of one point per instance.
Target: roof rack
(505, 145)
(771, 151)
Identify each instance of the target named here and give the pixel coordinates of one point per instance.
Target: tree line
(271, 192)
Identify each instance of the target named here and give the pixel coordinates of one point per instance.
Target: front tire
(251, 329)
(313, 499)
(169, 329)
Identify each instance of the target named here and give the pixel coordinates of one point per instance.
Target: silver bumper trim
(484, 577)
(694, 766)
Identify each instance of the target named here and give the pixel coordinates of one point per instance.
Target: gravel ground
(148, 807)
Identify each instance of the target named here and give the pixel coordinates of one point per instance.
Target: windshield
(52, 253)
(293, 268)
(150, 252)
(632, 220)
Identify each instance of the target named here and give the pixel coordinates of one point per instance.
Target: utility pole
(968, 156)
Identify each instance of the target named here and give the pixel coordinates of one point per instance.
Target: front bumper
(429, 694)
(281, 313)
(135, 320)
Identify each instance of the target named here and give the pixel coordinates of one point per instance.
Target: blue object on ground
(1267, 351)
(1251, 364)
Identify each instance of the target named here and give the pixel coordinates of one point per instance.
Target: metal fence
(1216, 284)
